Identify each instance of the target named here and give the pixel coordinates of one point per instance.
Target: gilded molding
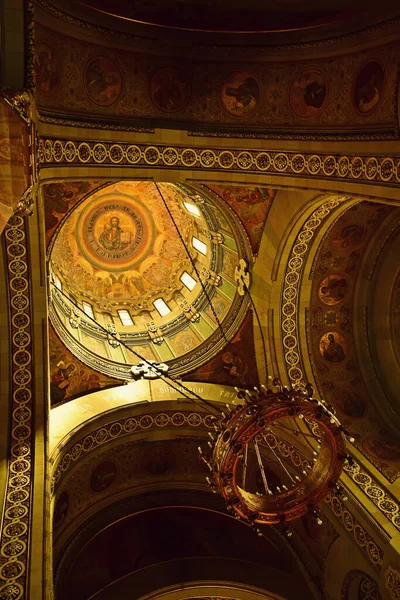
(93, 125)
(320, 137)
(118, 429)
(386, 503)
(16, 525)
(392, 582)
(291, 289)
(368, 589)
(24, 104)
(381, 169)
(20, 101)
(362, 538)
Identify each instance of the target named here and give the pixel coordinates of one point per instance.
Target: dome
(146, 271)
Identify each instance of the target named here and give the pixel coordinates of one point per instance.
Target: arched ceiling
(203, 16)
(121, 245)
(345, 293)
(127, 246)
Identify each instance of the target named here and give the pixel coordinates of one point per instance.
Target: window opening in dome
(58, 283)
(192, 209)
(161, 307)
(188, 280)
(125, 317)
(199, 245)
(88, 309)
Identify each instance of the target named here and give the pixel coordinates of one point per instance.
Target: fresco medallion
(308, 94)
(332, 289)
(169, 89)
(368, 87)
(115, 234)
(240, 93)
(333, 347)
(103, 82)
(348, 238)
(103, 476)
(60, 509)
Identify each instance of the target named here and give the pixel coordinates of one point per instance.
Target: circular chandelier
(244, 437)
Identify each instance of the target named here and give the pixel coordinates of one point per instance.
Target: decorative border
(117, 429)
(385, 502)
(367, 586)
(382, 169)
(44, 118)
(280, 135)
(392, 582)
(291, 288)
(362, 538)
(15, 533)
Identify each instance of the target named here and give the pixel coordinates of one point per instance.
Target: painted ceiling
(225, 16)
(333, 95)
(121, 245)
(337, 333)
(115, 246)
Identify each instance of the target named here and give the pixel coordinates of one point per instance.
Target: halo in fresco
(46, 69)
(348, 238)
(308, 94)
(240, 93)
(332, 289)
(368, 87)
(103, 82)
(333, 347)
(114, 234)
(350, 403)
(169, 89)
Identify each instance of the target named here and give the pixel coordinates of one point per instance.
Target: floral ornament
(392, 582)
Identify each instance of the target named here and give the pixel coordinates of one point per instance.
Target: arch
(357, 585)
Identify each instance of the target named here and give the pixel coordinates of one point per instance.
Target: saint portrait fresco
(114, 234)
(349, 403)
(382, 450)
(307, 94)
(103, 476)
(240, 93)
(60, 381)
(236, 364)
(333, 347)
(103, 81)
(332, 289)
(46, 69)
(113, 237)
(349, 238)
(368, 87)
(169, 89)
(60, 509)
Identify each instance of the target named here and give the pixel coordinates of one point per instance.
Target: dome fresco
(123, 246)
(126, 260)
